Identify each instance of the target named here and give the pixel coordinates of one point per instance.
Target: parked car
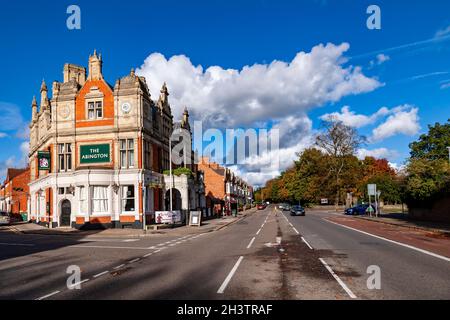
(298, 211)
(360, 209)
(5, 218)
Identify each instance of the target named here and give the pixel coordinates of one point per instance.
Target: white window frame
(66, 155)
(127, 150)
(95, 108)
(83, 201)
(125, 197)
(92, 199)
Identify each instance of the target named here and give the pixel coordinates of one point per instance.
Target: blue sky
(234, 34)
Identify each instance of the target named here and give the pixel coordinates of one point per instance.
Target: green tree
(433, 145)
(428, 180)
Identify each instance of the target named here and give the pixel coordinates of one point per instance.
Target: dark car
(358, 210)
(298, 211)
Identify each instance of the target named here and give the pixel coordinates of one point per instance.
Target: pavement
(263, 255)
(207, 226)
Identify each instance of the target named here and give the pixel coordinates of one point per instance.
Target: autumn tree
(339, 142)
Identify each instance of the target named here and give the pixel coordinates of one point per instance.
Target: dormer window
(95, 110)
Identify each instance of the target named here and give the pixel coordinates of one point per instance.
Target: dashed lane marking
(148, 255)
(48, 295)
(134, 260)
(101, 274)
(296, 231)
(306, 242)
(335, 276)
(230, 276)
(251, 242)
(118, 267)
(258, 231)
(78, 283)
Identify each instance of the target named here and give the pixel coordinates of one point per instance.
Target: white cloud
(404, 120)
(380, 153)
(279, 92)
(10, 117)
(3, 135)
(380, 59)
(350, 118)
(260, 92)
(442, 32)
(445, 86)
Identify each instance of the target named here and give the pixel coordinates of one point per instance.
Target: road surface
(266, 255)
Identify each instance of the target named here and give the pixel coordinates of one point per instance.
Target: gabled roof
(13, 172)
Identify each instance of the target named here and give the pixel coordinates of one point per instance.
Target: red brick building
(14, 192)
(225, 192)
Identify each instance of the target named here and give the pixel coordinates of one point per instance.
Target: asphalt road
(267, 255)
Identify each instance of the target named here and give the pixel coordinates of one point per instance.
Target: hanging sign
(44, 160)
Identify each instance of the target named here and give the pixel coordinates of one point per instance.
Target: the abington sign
(99, 153)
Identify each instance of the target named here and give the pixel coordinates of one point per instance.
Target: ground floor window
(83, 199)
(99, 199)
(128, 198)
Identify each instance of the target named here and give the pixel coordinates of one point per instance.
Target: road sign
(372, 189)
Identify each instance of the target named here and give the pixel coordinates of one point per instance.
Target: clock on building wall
(126, 107)
(64, 112)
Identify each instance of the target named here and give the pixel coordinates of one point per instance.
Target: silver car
(5, 219)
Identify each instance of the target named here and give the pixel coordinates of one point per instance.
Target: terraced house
(225, 192)
(14, 193)
(98, 152)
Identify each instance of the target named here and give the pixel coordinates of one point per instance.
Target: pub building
(98, 153)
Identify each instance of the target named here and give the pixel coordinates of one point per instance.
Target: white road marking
(151, 248)
(148, 255)
(335, 276)
(101, 274)
(157, 251)
(296, 231)
(130, 240)
(48, 295)
(230, 276)
(392, 241)
(251, 242)
(17, 244)
(109, 247)
(134, 260)
(78, 283)
(306, 242)
(118, 267)
(258, 231)
(172, 245)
